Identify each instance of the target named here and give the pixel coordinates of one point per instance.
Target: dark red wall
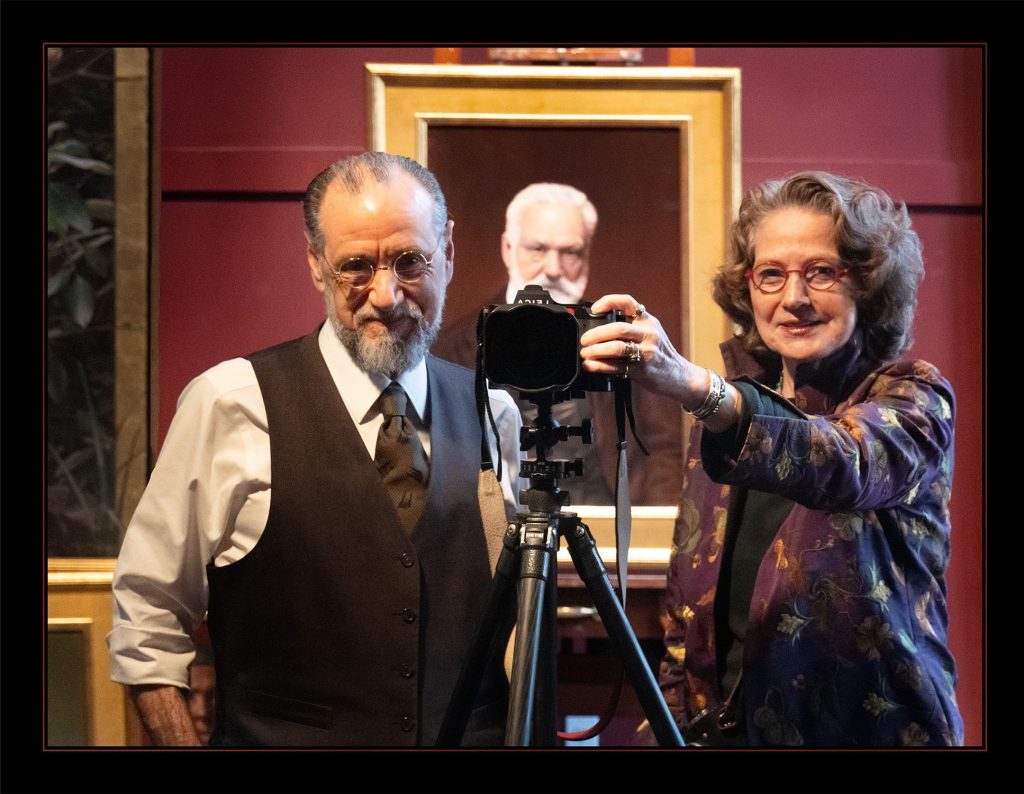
(262, 121)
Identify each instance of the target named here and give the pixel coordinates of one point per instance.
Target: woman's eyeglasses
(817, 275)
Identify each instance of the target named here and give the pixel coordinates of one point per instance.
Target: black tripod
(529, 556)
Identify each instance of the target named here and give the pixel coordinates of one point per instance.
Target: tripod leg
(492, 629)
(537, 548)
(545, 699)
(592, 571)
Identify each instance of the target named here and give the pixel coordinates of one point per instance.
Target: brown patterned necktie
(400, 457)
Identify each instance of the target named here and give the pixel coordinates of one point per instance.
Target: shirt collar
(360, 390)
(820, 385)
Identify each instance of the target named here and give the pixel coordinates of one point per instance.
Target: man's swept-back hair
(874, 239)
(352, 173)
(549, 193)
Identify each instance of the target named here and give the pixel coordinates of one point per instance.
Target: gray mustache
(391, 316)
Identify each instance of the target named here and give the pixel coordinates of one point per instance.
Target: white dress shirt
(209, 498)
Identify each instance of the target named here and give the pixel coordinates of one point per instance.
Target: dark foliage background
(80, 433)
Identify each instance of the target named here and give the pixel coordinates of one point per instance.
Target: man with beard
(320, 499)
(549, 228)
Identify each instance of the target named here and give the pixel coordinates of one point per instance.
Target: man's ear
(449, 251)
(314, 270)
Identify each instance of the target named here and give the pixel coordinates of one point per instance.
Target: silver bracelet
(714, 399)
(709, 397)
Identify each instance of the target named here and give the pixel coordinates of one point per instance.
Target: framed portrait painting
(656, 150)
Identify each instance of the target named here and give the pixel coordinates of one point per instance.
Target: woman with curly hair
(806, 588)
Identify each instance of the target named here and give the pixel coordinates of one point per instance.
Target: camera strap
(484, 412)
(493, 510)
(623, 510)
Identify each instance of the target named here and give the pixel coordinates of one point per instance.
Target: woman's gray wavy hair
(875, 242)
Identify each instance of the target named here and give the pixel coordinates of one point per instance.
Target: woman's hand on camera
(640, 349)
(607, 349)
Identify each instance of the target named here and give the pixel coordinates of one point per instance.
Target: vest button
(408, 723)
(407, 560)
(407, 671)
(409, 615)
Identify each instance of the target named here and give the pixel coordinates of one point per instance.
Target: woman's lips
(800, 327)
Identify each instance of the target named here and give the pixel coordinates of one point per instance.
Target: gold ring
(633, 352)
(640, 309)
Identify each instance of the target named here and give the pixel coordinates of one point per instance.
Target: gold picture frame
(634, 125)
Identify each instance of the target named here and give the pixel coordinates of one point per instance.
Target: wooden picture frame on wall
(656, 150)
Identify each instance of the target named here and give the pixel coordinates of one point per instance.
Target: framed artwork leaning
(656, 150)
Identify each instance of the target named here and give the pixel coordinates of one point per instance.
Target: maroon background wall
(243, 130)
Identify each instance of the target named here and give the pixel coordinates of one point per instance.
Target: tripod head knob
(585, 431)
(546, 436)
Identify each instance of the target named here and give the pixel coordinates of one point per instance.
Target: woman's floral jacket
(846, 636)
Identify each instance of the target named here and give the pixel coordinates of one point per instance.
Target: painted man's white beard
(562, 290)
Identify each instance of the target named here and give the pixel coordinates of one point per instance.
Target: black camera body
(533, 344)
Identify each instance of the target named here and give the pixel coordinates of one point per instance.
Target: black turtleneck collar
(820, 385)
